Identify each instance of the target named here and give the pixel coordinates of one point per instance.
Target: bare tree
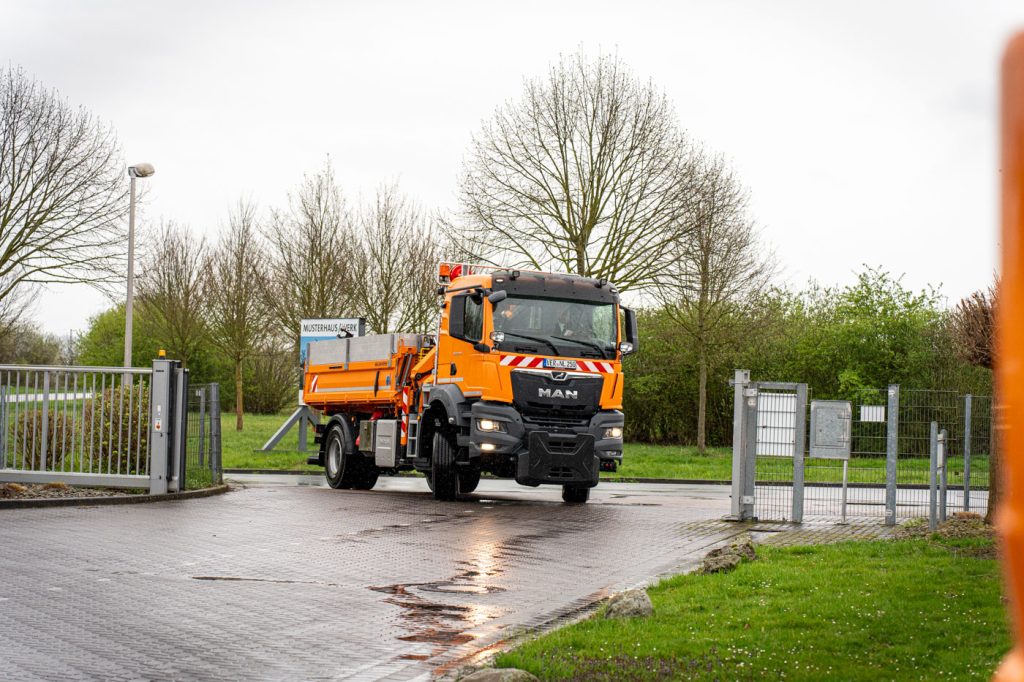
(715, 274)
(581, 174)
(171, 290)
(394, 283)
(235, 310)
(311, 249)
(63, 191)
(973, 328)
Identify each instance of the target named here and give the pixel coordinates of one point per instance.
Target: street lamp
(139, 170)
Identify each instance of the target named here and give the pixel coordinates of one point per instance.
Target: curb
(112, 500)
(690, 481)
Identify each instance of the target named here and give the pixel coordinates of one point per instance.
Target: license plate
(553, 363)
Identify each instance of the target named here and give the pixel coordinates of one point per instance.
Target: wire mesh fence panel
(74, 420)
(774, 451)
(918, 409)
(865, 493)
(202, 444)
(977, 448)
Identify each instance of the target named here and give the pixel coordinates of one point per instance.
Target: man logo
(558, 393)
(559, 376)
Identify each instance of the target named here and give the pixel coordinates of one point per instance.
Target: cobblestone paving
(303, 582)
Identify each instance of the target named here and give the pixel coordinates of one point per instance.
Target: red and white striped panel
(405, 415)
(312, 384)
(531, 362)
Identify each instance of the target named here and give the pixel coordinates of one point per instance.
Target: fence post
(202, 424)
(740, 508)
(215, 460)
(943, 478)
(160, 408)
(892, 430)
(799, 445)
(933, 466)
(967, 452)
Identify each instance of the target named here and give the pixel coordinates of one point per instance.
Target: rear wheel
(575, 495)
(367, 475)
(339, 465)
(444, 476)
(469, 479)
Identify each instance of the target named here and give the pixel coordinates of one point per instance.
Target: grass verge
(910, 609)
(241, 450)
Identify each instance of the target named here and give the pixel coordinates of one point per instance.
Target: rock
(499, 675)
(719, 563)
(727, 558)
(629, 604)
(55, 485)
(11, 489)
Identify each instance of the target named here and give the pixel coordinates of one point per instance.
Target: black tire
(339, 465)
(444, 475)
(575, 495)
(429, 476)
(469, 479)
(367, 476)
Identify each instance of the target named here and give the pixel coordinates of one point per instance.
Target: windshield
(556, 327)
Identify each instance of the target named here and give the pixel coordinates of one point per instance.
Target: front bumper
(544, 448)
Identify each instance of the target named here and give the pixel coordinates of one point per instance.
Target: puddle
(240, 579)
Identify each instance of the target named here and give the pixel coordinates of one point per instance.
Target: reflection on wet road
(285, 578)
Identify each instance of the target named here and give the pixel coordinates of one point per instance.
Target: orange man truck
(523, 380)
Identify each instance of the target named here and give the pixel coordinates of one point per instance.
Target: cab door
(459, 362)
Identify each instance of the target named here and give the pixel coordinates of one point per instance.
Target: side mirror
(632, 339)
(457, 318)
(497, 297)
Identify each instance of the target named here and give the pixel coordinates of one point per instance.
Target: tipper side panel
(360, 372)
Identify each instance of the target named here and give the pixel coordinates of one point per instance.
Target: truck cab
(524, 381)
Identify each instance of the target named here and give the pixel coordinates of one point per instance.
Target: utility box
(830, 429)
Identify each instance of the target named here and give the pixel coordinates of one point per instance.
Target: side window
(473, 320)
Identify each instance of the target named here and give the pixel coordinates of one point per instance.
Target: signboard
(872, 413)
(324, 329)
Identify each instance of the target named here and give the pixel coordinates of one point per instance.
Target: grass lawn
(908, 609)
(640, 460)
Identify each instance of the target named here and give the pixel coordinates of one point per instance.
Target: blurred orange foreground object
(1010, 347)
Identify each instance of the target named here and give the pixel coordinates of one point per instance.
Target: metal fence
(890, 472)
(109, 427)
(89, 424)
(202, 441)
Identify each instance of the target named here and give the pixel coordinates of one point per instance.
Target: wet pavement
(286, 579)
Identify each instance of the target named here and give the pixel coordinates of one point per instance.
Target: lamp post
(139, 170)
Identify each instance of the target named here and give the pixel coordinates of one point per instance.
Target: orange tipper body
(522, 379)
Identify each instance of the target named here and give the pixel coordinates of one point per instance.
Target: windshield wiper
(539, 339)
(589, 344)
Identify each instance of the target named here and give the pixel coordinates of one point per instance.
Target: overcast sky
(865, 131)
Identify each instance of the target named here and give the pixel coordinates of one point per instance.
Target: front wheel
(469, 479)
(575, 495)
(444, 477)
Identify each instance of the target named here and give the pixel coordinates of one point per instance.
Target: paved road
(297, 581)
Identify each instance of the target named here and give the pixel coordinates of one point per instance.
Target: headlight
(490, 425)
(613, 432)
